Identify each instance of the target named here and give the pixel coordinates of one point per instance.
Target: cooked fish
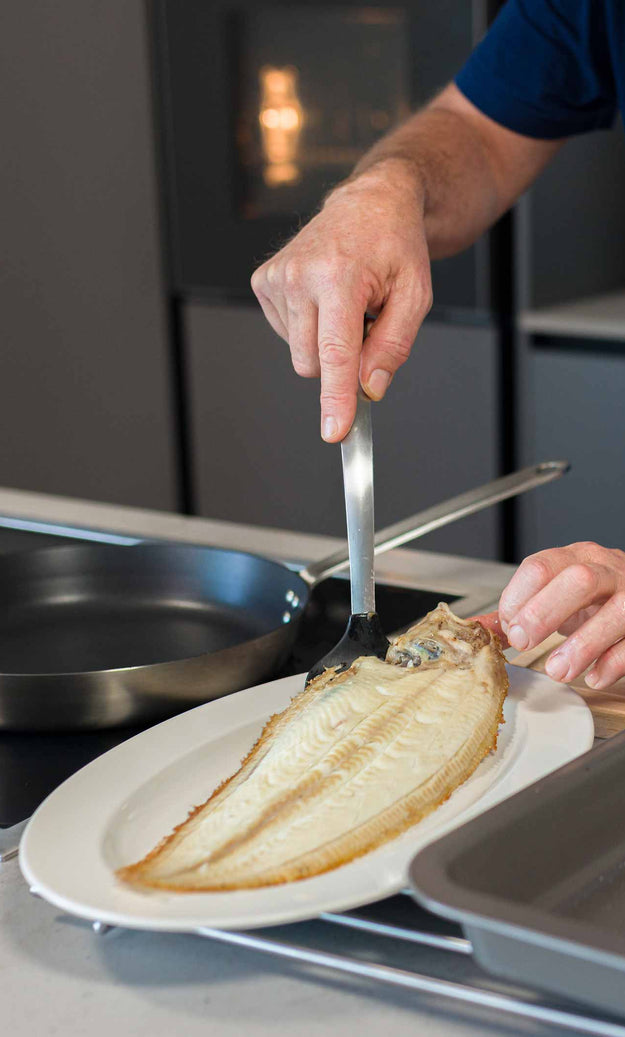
(355, 759)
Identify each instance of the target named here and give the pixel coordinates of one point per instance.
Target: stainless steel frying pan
(99, 635)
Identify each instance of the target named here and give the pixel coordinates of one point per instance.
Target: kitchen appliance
(263, 107)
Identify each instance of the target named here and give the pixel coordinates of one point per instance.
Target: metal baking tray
(538, 882)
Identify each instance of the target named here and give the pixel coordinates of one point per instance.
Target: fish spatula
(364, 634)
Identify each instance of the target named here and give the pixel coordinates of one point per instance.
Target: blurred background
(154, 153)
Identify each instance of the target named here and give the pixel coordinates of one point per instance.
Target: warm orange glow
(281, 173)
(281, 118)
(287, 118)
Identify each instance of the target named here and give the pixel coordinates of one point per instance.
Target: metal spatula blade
(364, 634)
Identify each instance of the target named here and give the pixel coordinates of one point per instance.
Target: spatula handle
(357, 456)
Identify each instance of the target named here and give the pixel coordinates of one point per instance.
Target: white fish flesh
(354, 760)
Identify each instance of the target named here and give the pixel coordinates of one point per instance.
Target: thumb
(390, 340)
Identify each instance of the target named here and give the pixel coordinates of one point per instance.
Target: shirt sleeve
(544, 69)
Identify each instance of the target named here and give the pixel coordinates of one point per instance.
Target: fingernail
(504, 626)
(377, 384)
(557, 666)
(329, 428)
(517, 637)
(592, 679)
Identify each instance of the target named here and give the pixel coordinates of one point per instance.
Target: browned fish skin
(352, 762)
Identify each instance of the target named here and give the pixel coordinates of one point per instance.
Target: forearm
(446, 165)
(464, 170)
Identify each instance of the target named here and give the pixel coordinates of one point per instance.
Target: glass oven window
(318, 85)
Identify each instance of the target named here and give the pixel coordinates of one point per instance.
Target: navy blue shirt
(550, 68)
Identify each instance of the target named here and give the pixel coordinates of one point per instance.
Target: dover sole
(355, 760)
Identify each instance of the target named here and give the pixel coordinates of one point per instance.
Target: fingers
(578, 590)
(533, 574)
(571, 590)
(536, 571)
(294, 320)
(340, 343)
(608, 668)
(597, 639)
(324, 330)
(391, 338)
(365, 250)
(302, 328)
(576, 620)
(272, 314)
(491, 621)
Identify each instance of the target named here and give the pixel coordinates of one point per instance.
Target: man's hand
(579, 591)
(491, 621)
(427, 190)
(365, 252)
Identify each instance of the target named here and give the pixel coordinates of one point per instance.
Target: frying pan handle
(442, 514)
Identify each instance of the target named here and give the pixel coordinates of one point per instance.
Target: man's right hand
(429, 189)
(365, 252)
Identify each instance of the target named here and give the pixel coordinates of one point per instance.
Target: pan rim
(152, 546)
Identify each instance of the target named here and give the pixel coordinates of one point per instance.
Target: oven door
(264, 107)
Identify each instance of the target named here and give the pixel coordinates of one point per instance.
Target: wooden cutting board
(607, 707)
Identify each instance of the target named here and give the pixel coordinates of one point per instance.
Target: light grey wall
(259, 458)
(84, 395)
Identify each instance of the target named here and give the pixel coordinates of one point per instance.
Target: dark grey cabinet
(575, 405)
(570, 362)
(257, 453)
(572, 243)
(84, 376)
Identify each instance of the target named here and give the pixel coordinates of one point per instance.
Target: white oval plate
(119, 806)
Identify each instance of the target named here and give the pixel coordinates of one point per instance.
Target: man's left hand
(578, 591)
